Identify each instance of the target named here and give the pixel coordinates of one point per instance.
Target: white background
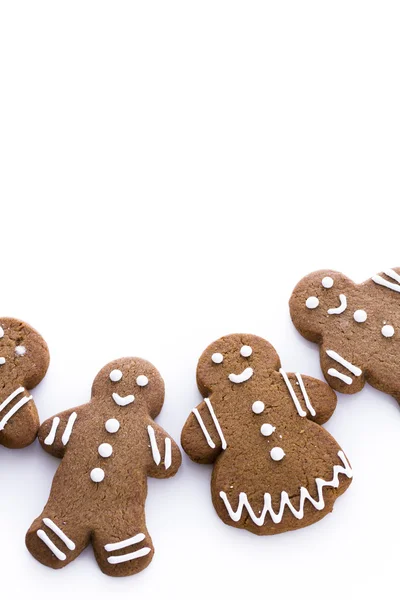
(169, 171)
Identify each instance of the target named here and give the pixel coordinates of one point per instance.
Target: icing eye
(360, 316)
(312, 302)
(142, 380)
(258, 407)
(277, 453)
(116, 375)
(20, 350)
(267, 429)
(246, 351)
(217, 358)
(1, 332)
(327, 282)
(387, 331)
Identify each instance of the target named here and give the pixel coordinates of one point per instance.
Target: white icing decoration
(68, 429)
(258, 407)
(246, 351)
(319, 504)
(116, 375)
(393, 275)
(289, 386)
(312, 302)
(112, 425)
(217, 358)
(125, 543)
(52, 547)
(168, 453)
(360, 316)
(154, 448)
(114, 560)
(341, 308)
(13, 410)
(305, 395)
(277, 453)
(203, 428)
(216, 423)
(1, 332)
(105, 450)
(97, 475)
(69, 543)
(345, 363)
(344, 378)
(11, 397)
(142, 380)
(2, 360)
(267, 429)
(327, 282)
(52, 433)
(20, 350)
(241, 377)
(387, 331)
(123, 401)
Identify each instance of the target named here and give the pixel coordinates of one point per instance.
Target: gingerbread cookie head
(355, 325)
(24, 360)
(130, 382)
(235, 359)
(275, 468)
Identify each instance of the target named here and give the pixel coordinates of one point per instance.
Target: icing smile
(341, 308)
(243, 376)
(123, 401)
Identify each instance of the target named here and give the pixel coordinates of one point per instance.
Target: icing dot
(1, 332)
(258, 407)
(142, 380)
(116, 375)
(327, 282)
(105, 450)
(2, 360)
(360, 316)
(20, 350)
(387, 331)
(217, 358)
(267, 429)
(312, 302)
(97, 475)
(246, 351)
(277, 453)
(112, 425)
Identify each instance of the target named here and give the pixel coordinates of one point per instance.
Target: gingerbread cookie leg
(55, 539)
(121, 547)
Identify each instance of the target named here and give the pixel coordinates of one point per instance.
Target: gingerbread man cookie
(276, 468)
(24, 360)
(108, 448)
(356, 325)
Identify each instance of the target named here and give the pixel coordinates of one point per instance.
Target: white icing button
(258, 407)
(387, 331)
(2, 360)
(217, 358)
(142, 380)
(105, 450)
(112, 425)
(20, 350)
(116, 375)
(327, 282)
(277, 453)
(267, 429)
(312, 302)
(97, 475)
(246, 351)
(1, 332)
(360, 316)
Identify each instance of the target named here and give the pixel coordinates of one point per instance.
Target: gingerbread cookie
(276, 468)
(24, 360)
(356, 325)
(108, 448)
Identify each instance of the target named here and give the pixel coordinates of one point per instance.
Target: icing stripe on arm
(345, 363)
(216, 422)
(168, 454)
(11, 397)
(289, 386)
(68, 429)
(153, 443)
(385, 283)
(53, 431)
(305, 395)
(203, 428)
(13, 410)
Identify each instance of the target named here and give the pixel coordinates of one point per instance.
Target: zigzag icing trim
(319, 504)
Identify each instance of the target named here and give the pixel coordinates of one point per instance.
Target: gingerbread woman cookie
(108, 448)
(24, 360)
(356, 325)
(275, 467)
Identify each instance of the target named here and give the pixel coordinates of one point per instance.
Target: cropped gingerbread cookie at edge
(276, 469)
(24, 360)
(356, 325)
(108, 448)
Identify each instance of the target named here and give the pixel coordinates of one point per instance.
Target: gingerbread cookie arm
(202, 436)
(55, 433)
(19, 420)
(316, 397)
(165, 457)
(340, 371)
